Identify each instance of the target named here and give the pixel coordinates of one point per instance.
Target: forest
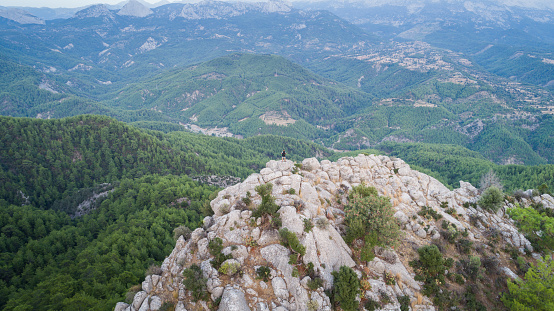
(57, 255)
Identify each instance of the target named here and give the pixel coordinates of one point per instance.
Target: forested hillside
(44, 160)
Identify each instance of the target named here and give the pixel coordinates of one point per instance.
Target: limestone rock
(269, 237)
(280, 288)
(402, 218)
(262, 306)
(155, 303)
(139, 299)
(121, 306)
(508, 272)
(320, 192)
(147, 284)
(310, 164)
(233, 300)
(180, 306)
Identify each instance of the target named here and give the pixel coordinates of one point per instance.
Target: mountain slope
(46, 160)
(242, 92)
(469, 27)
(98, 49)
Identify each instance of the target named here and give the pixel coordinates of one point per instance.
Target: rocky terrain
(319, 188)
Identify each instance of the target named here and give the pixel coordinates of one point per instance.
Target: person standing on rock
(283, 155)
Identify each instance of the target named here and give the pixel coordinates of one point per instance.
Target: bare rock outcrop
(316, 191)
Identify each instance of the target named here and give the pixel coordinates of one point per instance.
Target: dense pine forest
(88, 203)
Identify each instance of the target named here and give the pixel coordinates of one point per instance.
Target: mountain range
(146, 64)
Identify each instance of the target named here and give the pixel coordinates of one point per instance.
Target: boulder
(280, 288)
(402, 218)
(291, 219)
(155, 303)
(233, 300)
(311, 164)
(121, 306)
(147, 284)
(139, 299)
(180, 306)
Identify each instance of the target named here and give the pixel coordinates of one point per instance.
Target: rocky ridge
(21, 16)
(134, 8)
(95, 11)
(320, 190)
(219, 10)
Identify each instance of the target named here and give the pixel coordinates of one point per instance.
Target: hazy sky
(58, 3)
(80, 3)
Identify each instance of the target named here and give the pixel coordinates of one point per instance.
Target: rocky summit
(318, 191)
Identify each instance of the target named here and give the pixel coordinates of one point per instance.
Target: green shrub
(537, 227)
(263, 273)
(472, 267)
(429, 268)
(491, 199)
(471, 300)
(536, 291)
(464, 246)
(543, 189)
(363, 191)
(293, 259)
(247, 200)
(215, 247)
(315, 283)
(371, 305)
(294, 273)
(167, 306)
(522, 264)
(289, 239)
(384, 297)
(367, 253)
(458, 278)
(308, 225)
(404, 302)
(195, 282)
(310, 270)
(451, 233)
(346, 287)
(267, 208)
(368, 213)
(229, 268)
(429, 213)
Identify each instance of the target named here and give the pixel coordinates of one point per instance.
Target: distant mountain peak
(219, 9)
(134, 8)
(96, 10)
(20, 16)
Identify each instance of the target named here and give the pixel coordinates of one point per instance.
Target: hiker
(283, 154)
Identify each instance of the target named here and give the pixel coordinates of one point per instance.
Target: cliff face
(320, 192)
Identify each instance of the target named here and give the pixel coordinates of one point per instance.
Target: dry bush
(153, 269)
(490, 180)
(182, 231)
